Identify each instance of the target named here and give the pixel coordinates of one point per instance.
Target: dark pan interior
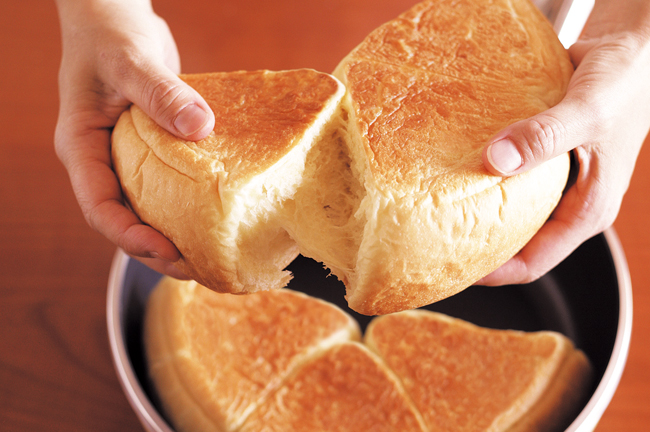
(579, 298)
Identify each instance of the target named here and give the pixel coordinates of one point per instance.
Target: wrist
(74, 13)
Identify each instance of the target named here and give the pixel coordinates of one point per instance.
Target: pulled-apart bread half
(383, 183)
(221, 200)
(283, 361)
(425, 93)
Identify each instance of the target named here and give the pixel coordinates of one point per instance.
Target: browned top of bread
(347, 388)
(429, 88)
(259, 117)
(467, 378)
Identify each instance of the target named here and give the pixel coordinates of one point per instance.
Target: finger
(530, 142)
(552, 244)
(168, 100)
(87, 159)
(163, 267)
(555, 241)
(582, 213)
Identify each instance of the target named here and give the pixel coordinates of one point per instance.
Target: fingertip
(143, 241)
(502, 157)
(513, 271)
(162, 267)
(194, 122)
(170, 102)
(166, 253)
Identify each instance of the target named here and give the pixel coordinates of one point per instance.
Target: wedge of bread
(215, 358)
(221, 200)
(466, 378)
(425, 93)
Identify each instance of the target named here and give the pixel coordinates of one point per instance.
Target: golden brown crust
(347, 388)
(432, 86)
(260, 116)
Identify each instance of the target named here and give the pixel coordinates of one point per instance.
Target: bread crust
(346, 388)
(463, 377)
(214, 358)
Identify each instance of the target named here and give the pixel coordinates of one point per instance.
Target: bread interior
(305, 203)
(323, 216)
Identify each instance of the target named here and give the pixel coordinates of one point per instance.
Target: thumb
(530, 142)
(170, 102)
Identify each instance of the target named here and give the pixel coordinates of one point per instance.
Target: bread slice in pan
(467, 378)
(214, 358)
(346, 388)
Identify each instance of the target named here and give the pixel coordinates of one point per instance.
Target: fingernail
(156, 255)
(190, 119)
(504, 156)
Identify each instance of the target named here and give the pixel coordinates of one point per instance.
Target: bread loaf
(282, 361)
(377, 174)
(425, 92)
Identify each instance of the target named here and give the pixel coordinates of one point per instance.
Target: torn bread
(383, 183)
(221, 200)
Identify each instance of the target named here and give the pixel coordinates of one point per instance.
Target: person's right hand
(116, 53)
(604, 120)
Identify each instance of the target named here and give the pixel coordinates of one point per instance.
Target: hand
(116, 53)
(604, 119)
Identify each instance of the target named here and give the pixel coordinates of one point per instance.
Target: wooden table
(55, 367)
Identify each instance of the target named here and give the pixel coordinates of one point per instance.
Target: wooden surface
(56, 372)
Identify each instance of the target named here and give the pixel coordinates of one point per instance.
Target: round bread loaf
(383, 183)
(281, 361)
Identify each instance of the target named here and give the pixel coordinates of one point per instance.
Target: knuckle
(119, 60)
(543, 136)
(598, 210)
(161, 97)
(91, 212)
(156, 93)
(59, 143)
